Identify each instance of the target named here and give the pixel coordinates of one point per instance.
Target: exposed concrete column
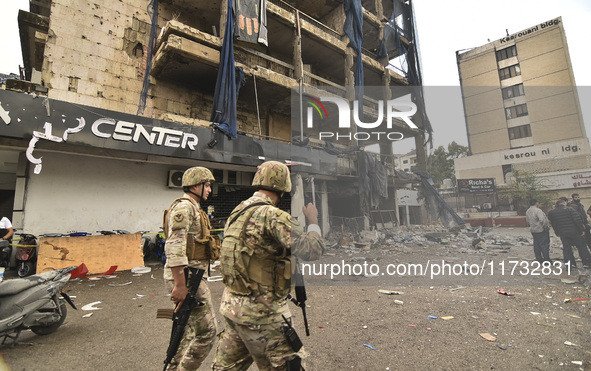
(379, 11)
(421, 151)
(350, 84)
(298, 64)
(350, 73)
(223, 18)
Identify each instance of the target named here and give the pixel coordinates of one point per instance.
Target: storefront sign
(484, 185)
(567, 181)
(36, 121)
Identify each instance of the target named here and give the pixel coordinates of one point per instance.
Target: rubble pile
(467, 239)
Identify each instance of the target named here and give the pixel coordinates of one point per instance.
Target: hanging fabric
(353, 28)
(251, 21)
(228, 83)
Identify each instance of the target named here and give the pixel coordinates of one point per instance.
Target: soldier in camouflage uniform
(255, 264)
(187, 228)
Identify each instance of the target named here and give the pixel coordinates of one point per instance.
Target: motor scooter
(26, 254)
(32, 303)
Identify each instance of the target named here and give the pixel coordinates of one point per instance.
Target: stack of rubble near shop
(486, 244)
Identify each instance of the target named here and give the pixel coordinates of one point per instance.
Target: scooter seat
(15, 286)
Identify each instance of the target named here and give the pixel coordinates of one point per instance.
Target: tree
(441, 162)
(524, 187)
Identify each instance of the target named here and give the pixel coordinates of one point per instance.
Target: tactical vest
(243, 269)
(206, 248)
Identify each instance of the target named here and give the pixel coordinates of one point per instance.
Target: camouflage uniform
(184, 221)
(253, 311)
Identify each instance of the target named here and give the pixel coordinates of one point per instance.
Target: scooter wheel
(46, 330)
(25, 269)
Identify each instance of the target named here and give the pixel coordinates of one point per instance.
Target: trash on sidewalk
(91, 306)
(487, 336)
(141, 270)
(369, 346)
(120, 284)
(388, 292)
(503, 292)
(81, 271)
(107, 273)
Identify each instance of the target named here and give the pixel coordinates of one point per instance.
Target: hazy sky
(444, 27)
(443, 30)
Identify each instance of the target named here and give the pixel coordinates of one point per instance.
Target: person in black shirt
(567, 225)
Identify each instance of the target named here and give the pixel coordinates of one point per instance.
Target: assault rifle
(300, 293)
(180, 318)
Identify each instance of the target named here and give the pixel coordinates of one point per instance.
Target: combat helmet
(272, 176)
(197, 175)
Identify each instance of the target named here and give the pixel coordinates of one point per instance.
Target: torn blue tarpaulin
(353, 28)
(153, 12)
(223, 111)
(391, 44)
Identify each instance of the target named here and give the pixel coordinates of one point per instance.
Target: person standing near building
(567, 225)
(187, 231)
(6, 231)
(540, 230)
(259, 241)
(575, 203)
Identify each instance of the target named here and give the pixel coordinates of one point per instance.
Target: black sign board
(36, 120)
(483, 185)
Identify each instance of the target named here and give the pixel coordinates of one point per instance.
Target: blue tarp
(354, 30)
(223, 111)
(391, 41)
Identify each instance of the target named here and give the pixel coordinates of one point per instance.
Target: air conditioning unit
(487, 206)
(175, 178)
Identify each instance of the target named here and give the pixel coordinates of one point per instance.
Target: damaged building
(119, 97)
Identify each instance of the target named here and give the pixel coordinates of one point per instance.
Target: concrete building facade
(522, 108)
(406, 162)
(74, 144)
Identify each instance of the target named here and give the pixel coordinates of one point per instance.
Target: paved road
(123, 335)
